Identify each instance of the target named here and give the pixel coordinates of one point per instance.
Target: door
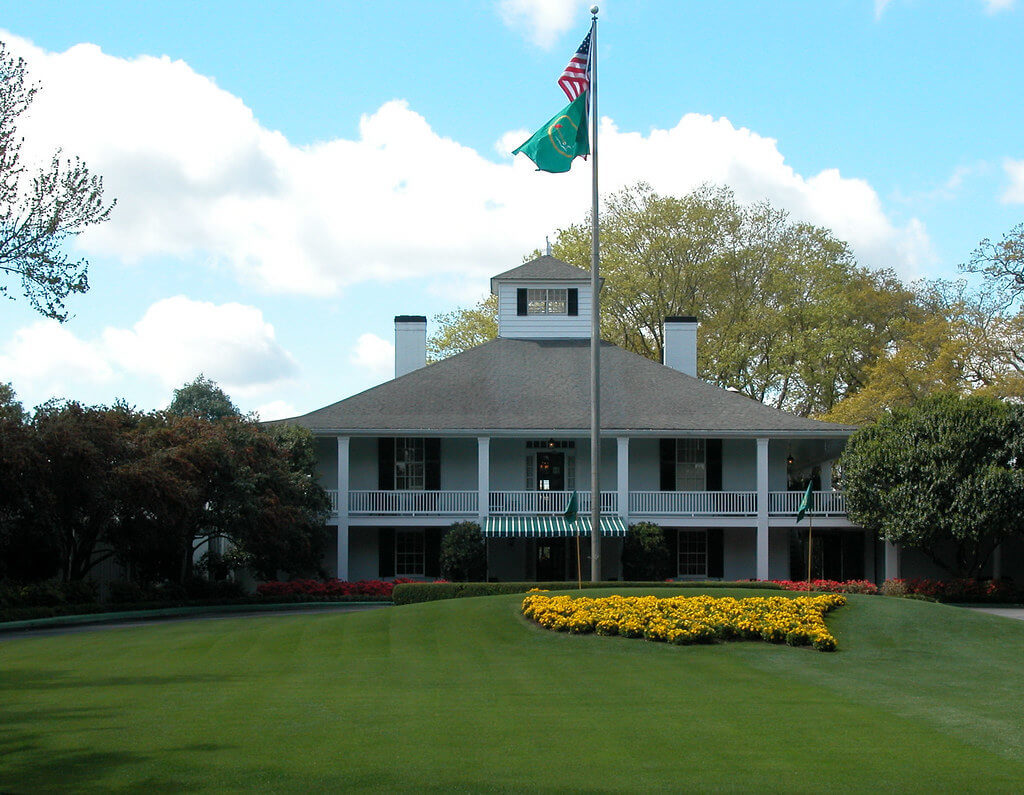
(550, 471)
(550, 559)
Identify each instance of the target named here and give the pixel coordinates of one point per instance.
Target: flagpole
(595, 327)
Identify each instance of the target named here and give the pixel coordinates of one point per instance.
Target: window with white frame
(410, 465)
(409, 553)
(693, 553)
(691, 465)
(553, 301)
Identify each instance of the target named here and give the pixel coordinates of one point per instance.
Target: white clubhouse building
(500, 435)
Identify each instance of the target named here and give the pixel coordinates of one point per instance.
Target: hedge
(412, 593)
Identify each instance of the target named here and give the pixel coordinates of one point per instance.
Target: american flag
(576, 77)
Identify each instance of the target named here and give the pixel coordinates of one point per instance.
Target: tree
(463, 329)
(787, 316)
(463, 553)
(202, 398)
(41, 210)
(945, 476)
(645, 553)
(1001, 262)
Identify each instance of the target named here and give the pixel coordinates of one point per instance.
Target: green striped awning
(546, 526)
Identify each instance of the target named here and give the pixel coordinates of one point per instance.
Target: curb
(171, 612)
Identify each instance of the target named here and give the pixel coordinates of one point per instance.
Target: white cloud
(1014, 169)
(52, 361)
(276, 410)
(543, 21)
(196, 174)
(374, 354)
(994, 6)
(174, 341)
(880, 7)
(178, 338)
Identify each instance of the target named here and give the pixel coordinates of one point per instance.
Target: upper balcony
(642, 504)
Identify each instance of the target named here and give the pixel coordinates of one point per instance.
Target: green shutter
(716, 554)
(386, 552)
(386, 464)
(432, 464)
(713, 452)
(432, 551)
(668, 464)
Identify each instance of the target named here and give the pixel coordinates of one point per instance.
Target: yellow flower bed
(798, 621)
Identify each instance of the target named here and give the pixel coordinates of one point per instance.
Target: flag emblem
(575, 78)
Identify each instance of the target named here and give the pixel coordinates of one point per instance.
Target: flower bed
(829, 586)
(798, 621)
(329, 588)
(956, 590)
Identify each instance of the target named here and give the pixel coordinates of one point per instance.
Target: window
(547, 302)
(410, 465)
(693, 553)
(409, 553)
(691, 465)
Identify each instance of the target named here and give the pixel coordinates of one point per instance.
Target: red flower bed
(958, 590)
(329, 587)
(829, 586)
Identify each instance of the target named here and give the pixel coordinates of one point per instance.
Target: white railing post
(622, 475)
(341, 571)
(483, 476)
(762, 509)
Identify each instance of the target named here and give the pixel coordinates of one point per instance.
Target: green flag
(570, 511)
(562, 138)
(807, 503)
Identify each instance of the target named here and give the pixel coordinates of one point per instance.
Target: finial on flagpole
(594, 10)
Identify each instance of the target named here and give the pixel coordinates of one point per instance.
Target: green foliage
(202, 398)
(645, 553)
(41, 210)
(463, 553)
(944, 472)
(415, 592)
(463, 329)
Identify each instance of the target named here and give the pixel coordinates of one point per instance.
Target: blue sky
(290, 178)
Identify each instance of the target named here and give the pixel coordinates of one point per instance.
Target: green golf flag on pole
(562, 138)
(807, 503)
(570, 511)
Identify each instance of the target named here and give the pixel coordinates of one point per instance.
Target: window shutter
(716, 563)
(386, 552)
(386, 464)
(432, 551)
(432, 464)
(521, 301)
(530, 469)
(668, 464)
(713, 448)
(574, 301)
(672, 541)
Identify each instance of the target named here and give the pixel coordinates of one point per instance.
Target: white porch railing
(332, 494)
(532, 503)
(693, 503)
(826, 503)
(412, 503)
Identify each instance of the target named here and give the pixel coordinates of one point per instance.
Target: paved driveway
(1007, 612)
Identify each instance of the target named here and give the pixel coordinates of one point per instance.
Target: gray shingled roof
(545, 268)
(511, 384)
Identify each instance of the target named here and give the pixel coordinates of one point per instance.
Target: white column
(826, 476)
(343, 470)
(892, 561)
(762, 509)
(483, 475)
(622, 475)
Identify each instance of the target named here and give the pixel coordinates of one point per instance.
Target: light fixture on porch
(551, 443)
(789, 458)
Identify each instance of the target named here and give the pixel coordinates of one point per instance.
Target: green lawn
(465, 694)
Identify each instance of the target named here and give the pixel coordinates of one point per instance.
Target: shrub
(829, 586)
(413, 593)
(645, 554)
(955, 590)
(463, 553)
(329, 588)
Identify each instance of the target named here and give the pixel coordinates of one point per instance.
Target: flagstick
(810, 541)
(595, 329)
(579, 571)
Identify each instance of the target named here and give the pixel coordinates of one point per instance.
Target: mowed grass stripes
(465, 694)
